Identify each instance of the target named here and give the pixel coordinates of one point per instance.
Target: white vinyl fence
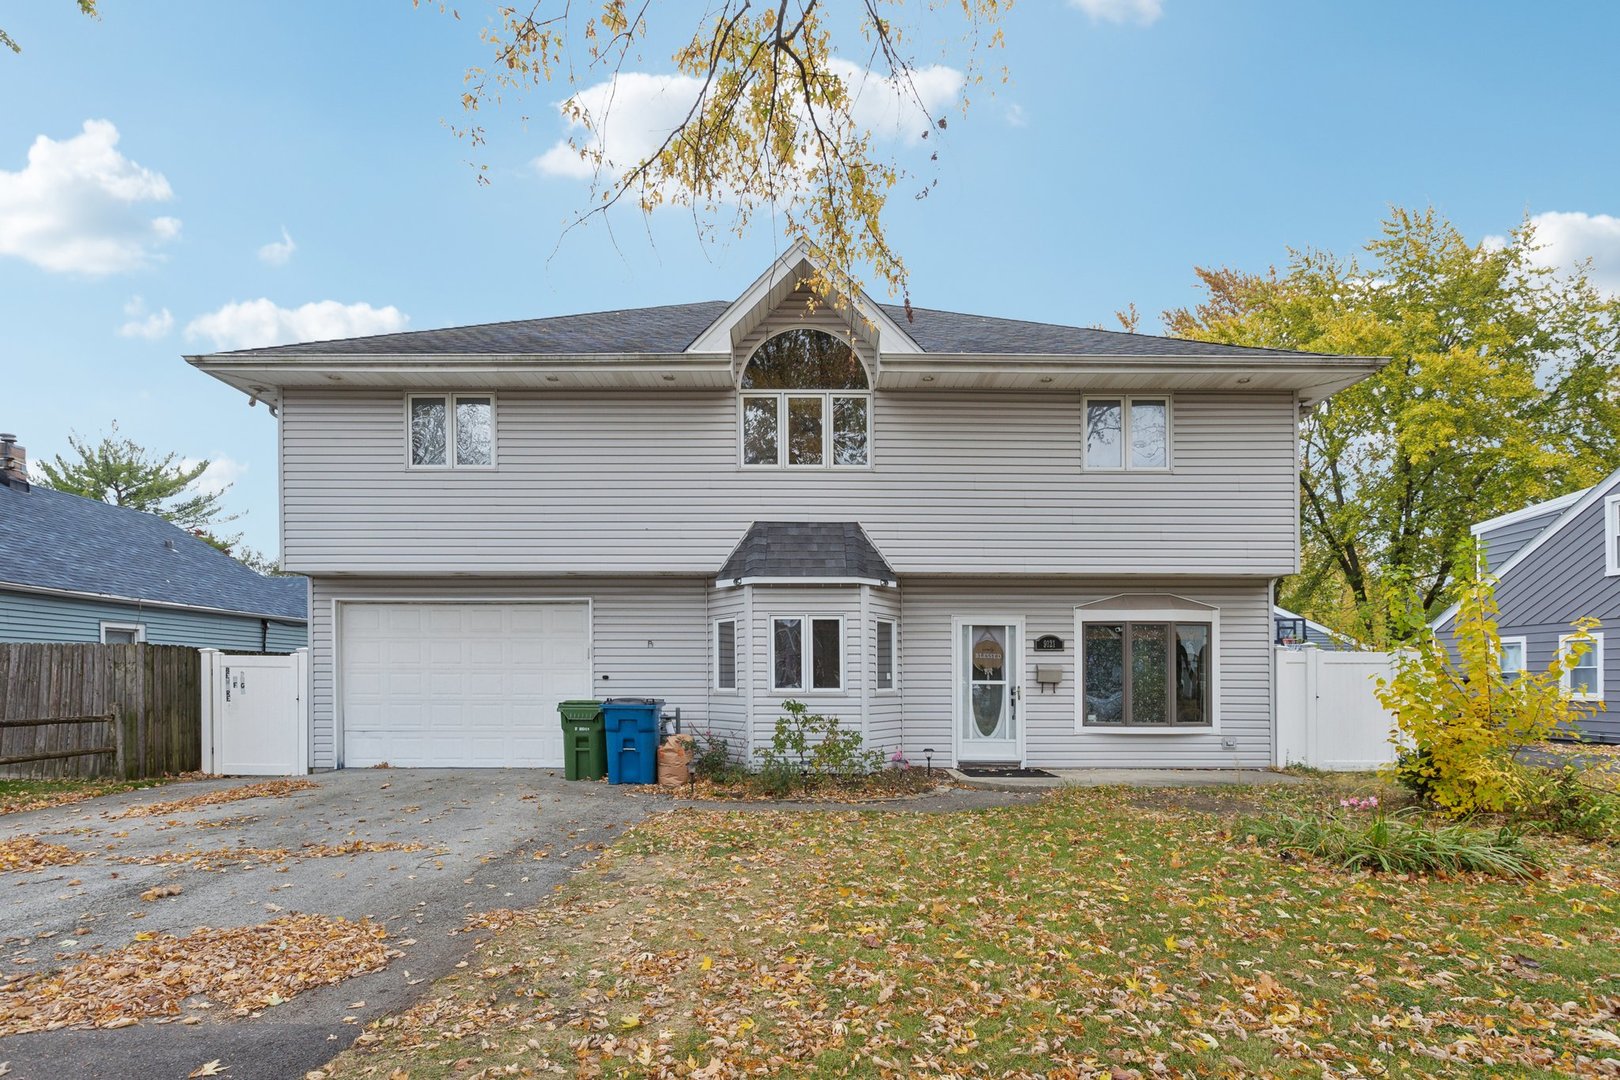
(1327, 716)
(253, 714)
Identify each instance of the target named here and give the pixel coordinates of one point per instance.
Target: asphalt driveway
(480, 830)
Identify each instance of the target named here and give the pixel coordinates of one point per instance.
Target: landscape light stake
(928, 758)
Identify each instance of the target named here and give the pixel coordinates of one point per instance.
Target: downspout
(264, 635)
(1271, 662)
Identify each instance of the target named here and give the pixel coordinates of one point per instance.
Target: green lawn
(19, 795)
(1101, 932)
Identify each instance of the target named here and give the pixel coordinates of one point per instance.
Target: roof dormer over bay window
(805, 403)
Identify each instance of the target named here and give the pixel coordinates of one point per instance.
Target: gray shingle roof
(670, 329)
(806, 549)
(52, 540)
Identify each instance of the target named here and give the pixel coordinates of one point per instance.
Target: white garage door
(440, 685)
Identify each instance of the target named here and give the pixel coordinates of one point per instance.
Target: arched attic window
(806, 404)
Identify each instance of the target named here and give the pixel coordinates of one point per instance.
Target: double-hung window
(888, 651)
(725, 654)
(805, 404)
(1513, 657)
(1611, 536)
(1584, 681)
(1126, 433)
(807, 653)
(451, 430)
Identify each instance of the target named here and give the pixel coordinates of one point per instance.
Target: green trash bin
(584, 740)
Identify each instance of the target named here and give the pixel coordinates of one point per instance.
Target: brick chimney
(13, 463)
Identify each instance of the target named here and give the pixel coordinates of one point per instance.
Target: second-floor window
(451, 430)
(1127, 433)
(805, 404)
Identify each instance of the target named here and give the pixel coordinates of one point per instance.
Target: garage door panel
(430, 684)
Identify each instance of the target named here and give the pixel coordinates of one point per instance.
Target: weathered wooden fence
(99, 710)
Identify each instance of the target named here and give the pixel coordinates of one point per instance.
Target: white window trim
(1200, 613)
(449, 398)
(1596, 655)
(781, 397)
(736, 668)
(894, 656)
(1125, 401)
(139, 629)
(806, 659)
(1611, 530)
(1524, 654)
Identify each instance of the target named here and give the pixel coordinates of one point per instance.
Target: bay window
(807, 653)
(1147, 667)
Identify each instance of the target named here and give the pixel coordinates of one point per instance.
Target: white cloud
(1567, 239)
(144, 324)
(78, 206)
(1142, 12)
(635, 111)
(253, 324)
(1016, 116)
(277, 252)
(221, 473)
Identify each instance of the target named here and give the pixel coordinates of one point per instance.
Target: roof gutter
(13, 586)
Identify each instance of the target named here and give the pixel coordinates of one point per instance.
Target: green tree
(87, 7)
(772, 118)
(117, 470)
(1501, 390)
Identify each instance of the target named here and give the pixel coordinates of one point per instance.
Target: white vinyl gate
(253, 714)
(1327, 714)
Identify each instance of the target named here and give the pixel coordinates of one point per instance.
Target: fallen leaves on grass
(269, 789)
(17, 796)
(204, 859)
(27, 854)
(1081, 936)
(245, 968)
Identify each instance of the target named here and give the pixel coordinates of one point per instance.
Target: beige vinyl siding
(634, 482)
(810, 601)
(1051, 736)
(649, 636)
(885, 709)
(728, 709)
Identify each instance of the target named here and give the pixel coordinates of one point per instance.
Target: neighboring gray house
(1556, 562)
(991, 540)
(79, 570)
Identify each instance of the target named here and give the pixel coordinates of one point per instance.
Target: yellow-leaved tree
(1461, 716)
(793, 108)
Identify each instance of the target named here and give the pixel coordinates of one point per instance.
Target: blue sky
(1137, 139)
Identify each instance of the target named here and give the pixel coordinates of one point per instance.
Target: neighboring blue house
(1556, 562)
(76, 569)
(1296, 629)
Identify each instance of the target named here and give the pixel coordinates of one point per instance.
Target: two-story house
(998, 541)
(1556, 562)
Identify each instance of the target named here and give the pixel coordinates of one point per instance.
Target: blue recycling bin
(632, 739)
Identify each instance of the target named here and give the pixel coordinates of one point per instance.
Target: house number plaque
(1048, 643)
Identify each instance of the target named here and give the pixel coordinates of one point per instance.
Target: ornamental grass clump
(1399, 844)
(1461, 718)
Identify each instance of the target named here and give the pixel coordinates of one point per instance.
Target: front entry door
(988, 687)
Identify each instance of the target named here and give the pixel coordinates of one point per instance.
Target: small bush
(711, 758)
(1414, 770)
(1561, 801)
(1393, 844)
(811, 747)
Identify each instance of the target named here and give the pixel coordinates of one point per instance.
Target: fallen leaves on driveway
(26, 854)
(269, 789)
(245, 968)
(204, 859)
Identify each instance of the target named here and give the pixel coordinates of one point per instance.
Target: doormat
(1000, 771)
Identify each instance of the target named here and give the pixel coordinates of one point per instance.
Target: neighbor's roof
(67, 543)
(672, 328)
(826, 550)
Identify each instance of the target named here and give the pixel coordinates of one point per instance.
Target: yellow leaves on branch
(775, 121)
(269, 789)
(244, 968)
(1463, 717)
